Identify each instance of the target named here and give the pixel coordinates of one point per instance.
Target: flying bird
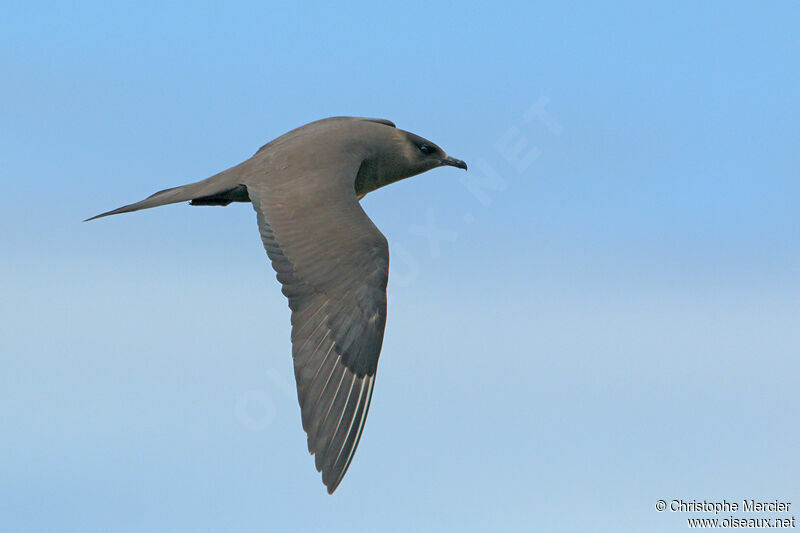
(331, 260)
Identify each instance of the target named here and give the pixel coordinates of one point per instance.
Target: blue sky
(602, 313)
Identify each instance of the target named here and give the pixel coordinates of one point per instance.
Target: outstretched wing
(333, 264)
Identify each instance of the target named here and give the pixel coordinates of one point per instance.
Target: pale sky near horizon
(602, 313)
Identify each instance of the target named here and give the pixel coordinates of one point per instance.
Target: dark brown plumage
(331, 260)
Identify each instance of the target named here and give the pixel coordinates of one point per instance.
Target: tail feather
(167, 196)
(208, 187)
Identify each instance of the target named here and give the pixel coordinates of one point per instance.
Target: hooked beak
(453, 162)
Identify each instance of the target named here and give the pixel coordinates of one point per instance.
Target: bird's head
(422, 155)
(398, 154)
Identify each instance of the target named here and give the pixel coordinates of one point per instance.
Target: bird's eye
(425, 149)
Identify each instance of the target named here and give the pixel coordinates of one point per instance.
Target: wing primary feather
(326, 430)
(345, 422)
(342, 462)
(302, 370)
(324, 403)
(360, 429)
(318, 384)
(299, 329)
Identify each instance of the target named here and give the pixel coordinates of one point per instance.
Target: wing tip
(338, 469)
